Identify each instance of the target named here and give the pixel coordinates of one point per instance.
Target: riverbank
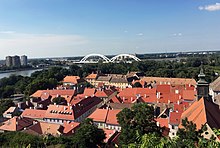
(17, 70)
(26, 72)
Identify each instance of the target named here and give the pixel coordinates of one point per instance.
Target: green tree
(140, 118)
(4, 105)
(189, 135)
(19, 139)
(137, 84)
(59, 100)
(88, 135)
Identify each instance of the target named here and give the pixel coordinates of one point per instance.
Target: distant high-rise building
(24, 60)
(16, 62)
(8, 61)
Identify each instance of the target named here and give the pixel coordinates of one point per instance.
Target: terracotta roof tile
(175, 118)
(34, 113)
(202, 112)
(92, 76)
(189, 95)
(100, 93)
(99, 115)
(111, 117)
(60, 112)
(16, 124)
(172, 81)
(164, 88)
(44, 128)
(129, 95)
(89, 92)
(70, 127)
(181, 106)
(10, 110)
(71, 79)
(163, 122)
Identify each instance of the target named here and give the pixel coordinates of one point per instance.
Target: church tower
(202, 86)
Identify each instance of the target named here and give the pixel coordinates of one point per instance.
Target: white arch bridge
(95, 58)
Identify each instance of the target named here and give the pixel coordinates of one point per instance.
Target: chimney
(176, 91)
(27, 103)
(19, 104)
(158, 95)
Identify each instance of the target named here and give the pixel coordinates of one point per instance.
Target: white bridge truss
(120, 57)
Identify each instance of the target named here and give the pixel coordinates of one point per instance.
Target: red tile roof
(99, 115)
(101, 94)
(105, 115)
(71, 79)
(70, 127)
(34, 113)
(172, 81)
(163, 122)
(92, 76)
(202, 112)
(189, 95)
(89, 92)
(111, 117)
(44, 94)
(169, 98)
(44, 128)
(181, 106)
(164, 88)
(16, 124)
(129, 95)
(175, 118)
(60, 112)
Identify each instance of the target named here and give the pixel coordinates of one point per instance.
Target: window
(173, 127)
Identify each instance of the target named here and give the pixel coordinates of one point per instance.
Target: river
(23, 73)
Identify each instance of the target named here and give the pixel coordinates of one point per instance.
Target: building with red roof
(106, 118)
(42, 95)
(131, 95)
(16, 124)
(36, 114)
(77, 110)
(45, 128)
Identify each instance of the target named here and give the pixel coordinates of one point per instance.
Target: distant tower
(8, 61)
(16, 62)
(202, 86)
(24, 60)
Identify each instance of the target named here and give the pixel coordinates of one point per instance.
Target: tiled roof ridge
(215, 83)
(107, 115)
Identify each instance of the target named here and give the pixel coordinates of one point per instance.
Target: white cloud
(177, 34)
(7, 32)
(214, 7)
(140, 34)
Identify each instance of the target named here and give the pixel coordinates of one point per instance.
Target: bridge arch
(124, 55)
(95, 55)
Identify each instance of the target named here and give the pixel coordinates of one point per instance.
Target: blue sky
(56, 28)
